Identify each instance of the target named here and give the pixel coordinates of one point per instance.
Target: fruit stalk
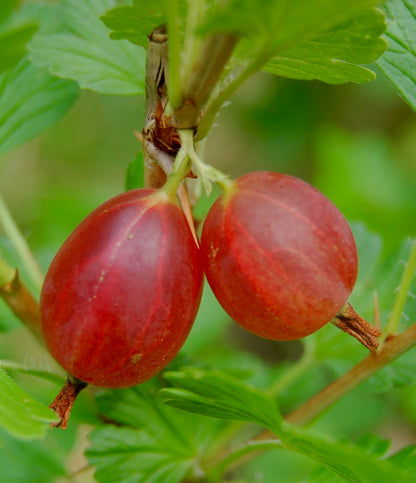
(64, 401)
(353, 324)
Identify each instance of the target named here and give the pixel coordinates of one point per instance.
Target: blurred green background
(357, 144)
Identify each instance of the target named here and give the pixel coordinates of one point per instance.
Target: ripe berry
(278, 255)
(122, 293)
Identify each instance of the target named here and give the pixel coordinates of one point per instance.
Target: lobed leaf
(399, 61)
(333, 56)
(154, 441)
(81, 50)
(373, 445)
(21, 414)
(126, 454)
(217, 394)
(30, 101)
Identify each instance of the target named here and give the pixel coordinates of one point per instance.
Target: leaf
(126, 455)
(13, 45)
(219, 395)
(20, 413)
(135, 173)
(376, 446)
(278, 25)
(30, 101)
(153, 443)
(23, 461)
(134, 23)
(345, 459)
(399, 61)
(82, 50)
(333, 56)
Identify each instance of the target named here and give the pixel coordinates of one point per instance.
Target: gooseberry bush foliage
(162, 405)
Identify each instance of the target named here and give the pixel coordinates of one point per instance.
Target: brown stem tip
(64, 401)
(350, 322)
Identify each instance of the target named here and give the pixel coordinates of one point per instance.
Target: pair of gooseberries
(122, 293)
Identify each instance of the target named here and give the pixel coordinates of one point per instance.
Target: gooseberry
(278, 255)
(121, 294)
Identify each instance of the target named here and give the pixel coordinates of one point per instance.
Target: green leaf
(30, 101)
(278, 25)
(20, 413)
(134, 23)
(333, 56)
(6, 8)
(24, 461)
(126, 455)
(399, 62)
(13, 45)
(153, 441)
(345, 459)
(219, 395)
(135, 173)
(377, 447)
(82, 50)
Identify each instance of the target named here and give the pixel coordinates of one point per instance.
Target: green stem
(231, 83)
(181, 164)
(392, 325)
(192, 42)
(174, 48)
(20, 245)
(216, 472)
(306, 361)
(7, 273)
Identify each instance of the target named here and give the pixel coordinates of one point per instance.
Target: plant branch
(392, 349)
(174, 48)
(22, 303)
(392, 325)
(250, 448)
(231, 83)
(207, 70)
(20, 245)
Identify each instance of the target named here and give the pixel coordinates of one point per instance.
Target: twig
(22, 303)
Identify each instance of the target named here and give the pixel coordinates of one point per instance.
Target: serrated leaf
(126, 455)
(157, 443)
(348, 461)
(30, 101)
(217, 394)
(135, 173)
(333, 56)
(20, 413)
(13, 45)
(82, 51)
(375, 446)
(399, 61)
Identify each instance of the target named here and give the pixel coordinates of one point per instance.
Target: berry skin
(121, 294)
(278, 255)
